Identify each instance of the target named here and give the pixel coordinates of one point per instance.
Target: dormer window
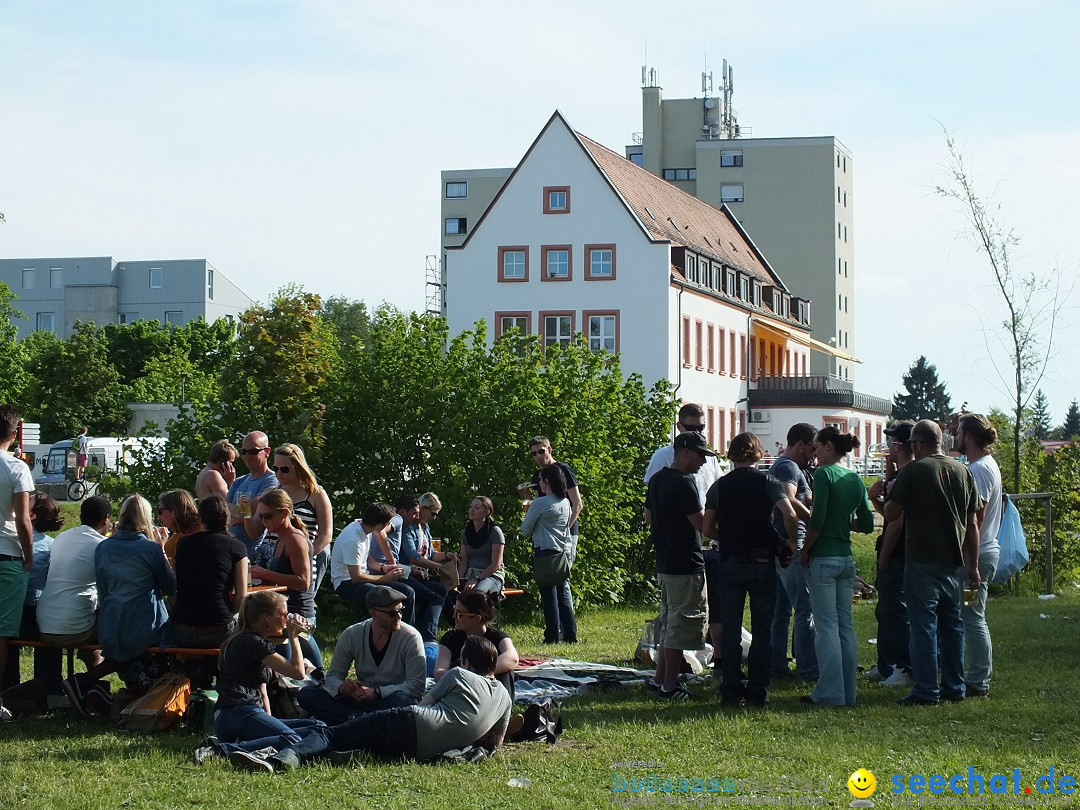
(729, 283)
(556, 199)
(744, 288)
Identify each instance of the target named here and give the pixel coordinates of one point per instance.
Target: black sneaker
(678, 693)
(976, 692)
(74, 690)
(243, 761)
(98, 699)
(652, 685)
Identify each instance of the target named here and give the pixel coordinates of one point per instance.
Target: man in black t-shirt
(673, 510)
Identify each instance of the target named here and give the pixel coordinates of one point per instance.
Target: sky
(301, 141)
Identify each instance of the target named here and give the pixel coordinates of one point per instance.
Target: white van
(105, 453)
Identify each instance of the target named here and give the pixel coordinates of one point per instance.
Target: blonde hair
(254, 605)
(303, 471)
(430, 501)
(279, 500)
(135, 516)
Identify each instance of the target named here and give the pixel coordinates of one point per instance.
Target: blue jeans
(319, 703)
(249, 728)
(894, 633)
(831, 581)
(430, 597)
(390, 732)
(979, 655)
(309, 648)
(791, 592)
(713, 589)
(934, 594)
(743, 576)
(560, 623)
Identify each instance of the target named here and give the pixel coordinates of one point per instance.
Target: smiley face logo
(862, 784)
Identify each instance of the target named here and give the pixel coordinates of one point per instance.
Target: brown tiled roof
(671, 215)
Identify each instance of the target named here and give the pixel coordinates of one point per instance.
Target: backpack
(543, 722)
(162, 707)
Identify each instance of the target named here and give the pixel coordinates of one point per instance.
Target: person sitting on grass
(474, 615)
(390, 666)
(247, 662)
(133, 576)
(467, 707)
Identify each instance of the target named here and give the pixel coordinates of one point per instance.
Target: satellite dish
(710, 103)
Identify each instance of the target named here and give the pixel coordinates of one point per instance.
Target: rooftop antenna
(710, 123)
(729, 125)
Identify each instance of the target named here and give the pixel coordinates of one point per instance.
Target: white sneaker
(5, 715)
(898, 678)
(872, 674)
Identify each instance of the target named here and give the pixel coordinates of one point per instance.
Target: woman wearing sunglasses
(290, 565)
(475, 615)
(310, 503)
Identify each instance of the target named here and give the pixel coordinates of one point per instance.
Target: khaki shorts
(682, 611)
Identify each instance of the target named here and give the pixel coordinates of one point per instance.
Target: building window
(729, 283)
(711, 331)
(456, 225)
(686, 342)
(558, 263)
(46, 322)
(637, 158)
(603, 330)
(714, 278)
(744, 288)
(599, 262)
(174, 317)
(845, 268)
(680, 174)
(731, 424)
(699, 357)
(691, 268)
(711, 420)
(742, 356)
(558, 328)
(210, 283)
(721, 428)
(731, 158)
(506, 322)
(731, 365)
(838, 193)
(556, 199)
(28, 275)
(845, 234)
(845, 206)
(56, 278)
(126, 317)
(155, 278)
(731, 192)
(514, 263)
(456, 191)
(839, 266)
(722, 354)
(756, 287)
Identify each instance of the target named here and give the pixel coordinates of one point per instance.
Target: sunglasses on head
(286, 469)
(253, 451)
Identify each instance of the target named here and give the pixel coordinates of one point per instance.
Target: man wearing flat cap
(389, 662)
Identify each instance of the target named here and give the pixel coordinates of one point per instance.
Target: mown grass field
(1029, 723)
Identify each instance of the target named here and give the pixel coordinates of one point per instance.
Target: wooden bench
(512, 592)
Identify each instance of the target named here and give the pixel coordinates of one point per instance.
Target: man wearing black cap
(674, 512)
(391, 669)
(894, 634)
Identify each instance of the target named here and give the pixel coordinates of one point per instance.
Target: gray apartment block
(54, 293)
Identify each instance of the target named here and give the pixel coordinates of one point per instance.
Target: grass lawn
(1028, 723)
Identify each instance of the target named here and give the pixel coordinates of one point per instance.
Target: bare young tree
(1032, 300)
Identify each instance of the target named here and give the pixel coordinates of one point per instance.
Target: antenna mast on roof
(729, 124)
(710, 113)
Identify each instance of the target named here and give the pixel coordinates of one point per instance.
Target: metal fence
(1047, 499)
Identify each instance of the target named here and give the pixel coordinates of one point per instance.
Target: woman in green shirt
(839, 496)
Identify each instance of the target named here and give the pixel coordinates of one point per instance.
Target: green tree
(1071, 426)
(275, 381)
(349, 319)
(1041, 423)
(132, 345)
(13, 377)
(414, 410)
(926, 397)
(74, 384)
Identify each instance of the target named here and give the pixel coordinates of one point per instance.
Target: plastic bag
(1013, 542)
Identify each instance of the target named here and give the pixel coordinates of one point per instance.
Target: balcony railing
(816, 382)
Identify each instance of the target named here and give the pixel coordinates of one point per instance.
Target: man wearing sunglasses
(938, 499)
(540, 450)
(243, 495)
(391, 669)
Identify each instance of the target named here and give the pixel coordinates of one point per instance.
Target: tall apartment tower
(793, 195)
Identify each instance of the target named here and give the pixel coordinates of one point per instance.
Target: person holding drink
(244, 493)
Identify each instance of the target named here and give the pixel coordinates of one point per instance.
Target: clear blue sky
(302, 141)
